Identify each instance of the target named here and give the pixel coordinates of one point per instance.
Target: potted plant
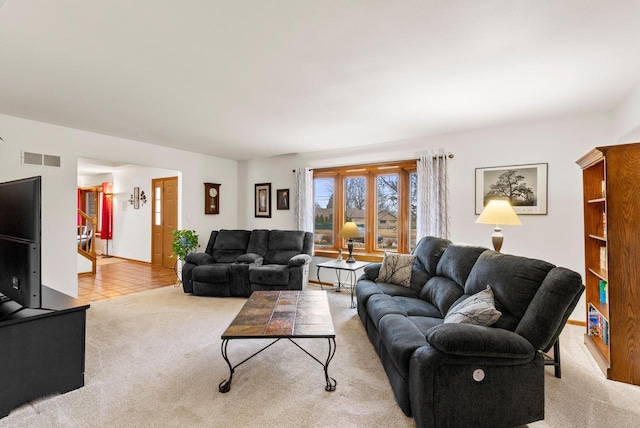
(184, 243)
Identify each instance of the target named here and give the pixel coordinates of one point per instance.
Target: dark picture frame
(282, 199)
(527, 182)
(263, 200)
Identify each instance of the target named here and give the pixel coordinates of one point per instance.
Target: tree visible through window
(381, 199)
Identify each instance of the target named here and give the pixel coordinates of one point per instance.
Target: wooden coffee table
(282, 315)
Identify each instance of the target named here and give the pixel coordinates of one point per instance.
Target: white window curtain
(304, 199)
(433, 195)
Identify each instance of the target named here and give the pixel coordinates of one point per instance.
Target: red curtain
(107, 211)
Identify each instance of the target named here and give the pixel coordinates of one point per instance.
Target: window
(379, 198)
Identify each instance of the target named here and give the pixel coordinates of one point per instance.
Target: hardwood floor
(118, 277)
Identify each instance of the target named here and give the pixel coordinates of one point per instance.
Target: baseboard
(574, 322)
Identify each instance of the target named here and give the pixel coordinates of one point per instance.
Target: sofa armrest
(300, 260)
(199, 259)
(250, 258)
(469, 340)
(371, 271)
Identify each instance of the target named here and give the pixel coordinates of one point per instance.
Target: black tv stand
(41, 350)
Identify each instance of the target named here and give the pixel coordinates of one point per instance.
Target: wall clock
(211, 198)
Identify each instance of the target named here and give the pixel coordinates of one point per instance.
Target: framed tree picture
(282, 199)
(525, 186)
(263, 200)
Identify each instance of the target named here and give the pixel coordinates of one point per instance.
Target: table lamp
(350, 230)
(498, 212)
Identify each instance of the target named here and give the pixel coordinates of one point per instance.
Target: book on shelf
(594, 323)
(603, 291)
(604, 225)
(603, 185)
(603, 258)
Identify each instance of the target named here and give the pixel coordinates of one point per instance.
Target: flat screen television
(20, 241)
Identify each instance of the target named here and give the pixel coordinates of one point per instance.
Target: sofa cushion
(258, 242)
(428, 252)
(478, 309)
(199, 259)
(442, 292)
(269, 274)
(457, 261)
(514, 280)
(380, 305)
(284, 244)
(478, 341)
(396, 269)
(230, 244)
(215, 274)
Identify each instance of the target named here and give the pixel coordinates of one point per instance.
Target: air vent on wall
(29, 158)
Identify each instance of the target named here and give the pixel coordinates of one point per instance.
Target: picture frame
(527, 182)
(136, 198)
(282, 199)
(263, 200)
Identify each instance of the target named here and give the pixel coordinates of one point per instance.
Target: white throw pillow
(396, 269)
(479, 309)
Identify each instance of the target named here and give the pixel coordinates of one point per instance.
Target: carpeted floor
(153, 360)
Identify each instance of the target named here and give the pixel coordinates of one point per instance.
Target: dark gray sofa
(462, 375)
(238, 262)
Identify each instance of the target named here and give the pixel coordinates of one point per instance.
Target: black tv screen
(20, 241)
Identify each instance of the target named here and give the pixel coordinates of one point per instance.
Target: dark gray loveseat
(463, 375)
(238, 262)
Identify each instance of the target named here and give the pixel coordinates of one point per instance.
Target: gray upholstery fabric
(270, 274)
(250, 258)
(299, 260)
(430, 365)
(514, 280)
(258, 242)
(230, 244)
(238, 255)
(428, 252)
(473, 340)
(551, 307)
(212, 240)
(442, 292)
(284, 244)
(199, 259)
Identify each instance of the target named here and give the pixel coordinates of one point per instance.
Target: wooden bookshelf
(611, 178)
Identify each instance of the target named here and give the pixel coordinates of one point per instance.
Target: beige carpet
(153, 360)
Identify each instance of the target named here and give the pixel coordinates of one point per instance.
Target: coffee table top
(286, 314)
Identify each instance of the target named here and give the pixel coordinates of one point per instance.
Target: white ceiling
(246, 79)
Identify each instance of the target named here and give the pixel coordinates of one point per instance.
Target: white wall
(132, 227)
(59, 259)
(276, 170)
(556, 237)
(626, 119)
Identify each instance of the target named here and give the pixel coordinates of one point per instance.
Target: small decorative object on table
(184, 243)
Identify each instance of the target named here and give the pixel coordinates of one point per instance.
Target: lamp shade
(350, 230)
(499, 211)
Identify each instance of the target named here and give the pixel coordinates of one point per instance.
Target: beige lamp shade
(498, 212)
(350, 230)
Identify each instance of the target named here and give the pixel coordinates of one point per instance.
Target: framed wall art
(282, 198)
(263, 200)
(525, 186)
